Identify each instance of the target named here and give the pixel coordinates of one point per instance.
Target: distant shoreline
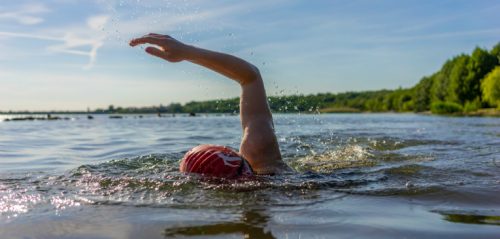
(466, 85)
(487, 112)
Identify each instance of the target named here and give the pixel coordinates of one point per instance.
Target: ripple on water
(328, 166)
(154, 181)
(348, 156)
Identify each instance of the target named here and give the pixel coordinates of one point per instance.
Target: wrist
(189, 52)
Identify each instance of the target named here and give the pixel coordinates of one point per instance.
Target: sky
(74, 55)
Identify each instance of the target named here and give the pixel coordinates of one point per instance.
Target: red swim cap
(215, 161)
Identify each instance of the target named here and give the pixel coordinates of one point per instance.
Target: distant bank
(465, 85)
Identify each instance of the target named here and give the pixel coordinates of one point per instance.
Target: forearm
(227, 65)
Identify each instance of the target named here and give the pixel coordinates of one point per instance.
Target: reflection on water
(68, 167)
(251, 225)
(470, 218)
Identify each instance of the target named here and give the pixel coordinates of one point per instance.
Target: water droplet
(409, 184)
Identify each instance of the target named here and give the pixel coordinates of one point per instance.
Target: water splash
(349, 156)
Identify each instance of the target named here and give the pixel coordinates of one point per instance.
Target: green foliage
(441, 81)
(421, 94)
(458, 81)
(173, 108)
(445, 107)
(495, 51)
(491, 87)
(456, 88)
(481, 63)
(472, 106)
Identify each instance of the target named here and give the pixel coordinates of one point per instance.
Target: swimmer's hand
(165, 47)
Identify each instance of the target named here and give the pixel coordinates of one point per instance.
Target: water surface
(358, 175)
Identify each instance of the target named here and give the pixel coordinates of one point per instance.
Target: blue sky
(69, 54)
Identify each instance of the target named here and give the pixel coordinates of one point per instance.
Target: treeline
(349, 101)
(465, 83)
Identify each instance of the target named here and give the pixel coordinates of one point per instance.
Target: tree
(441, 82)
(421, 94)
(174, 108)
(495, 51)
(480, 64)
(491, 87)
(456, 88)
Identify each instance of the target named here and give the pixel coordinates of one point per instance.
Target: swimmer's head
(215, 161)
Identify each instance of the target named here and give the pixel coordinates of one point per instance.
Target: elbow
(252, 74)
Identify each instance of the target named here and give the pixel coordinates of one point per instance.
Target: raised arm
(259, 144)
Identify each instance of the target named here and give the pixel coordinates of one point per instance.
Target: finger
(140, 41)
(158, 35)
(154, 34)
(156, 52)
(144, 40)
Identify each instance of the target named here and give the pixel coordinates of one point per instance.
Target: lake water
(358, 176)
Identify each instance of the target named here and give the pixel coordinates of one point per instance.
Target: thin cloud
(97, 22)
(72, 43)
(26, 15)
(30, 36)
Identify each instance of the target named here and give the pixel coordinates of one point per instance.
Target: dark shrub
(445, 108)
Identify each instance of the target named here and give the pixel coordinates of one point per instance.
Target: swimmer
(259, 150)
